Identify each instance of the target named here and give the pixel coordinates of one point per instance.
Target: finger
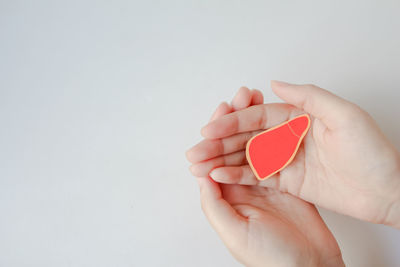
(211, 148)
(320, 103)
(222, 109)
(242, 99)
(257, 97)
(224, 219)
(249, 119)
(203, 168)
(242, 175)
(237, 195)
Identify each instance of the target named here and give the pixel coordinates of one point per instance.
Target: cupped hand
(263, 226)
(345, 163)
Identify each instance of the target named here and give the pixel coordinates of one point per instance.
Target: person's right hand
(263, 226)
(344, 164)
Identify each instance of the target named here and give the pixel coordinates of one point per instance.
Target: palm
(321, 172)
(277, 227)
(339, 169)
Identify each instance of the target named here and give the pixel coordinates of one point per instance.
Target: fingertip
(212, 174)
(222, 109)
(214, 130)
(225, 107)
(209, 188)
(222, 216)
(215, 174)
(242, 98)
(257, 97)
(314, 100)
(211, 130)
(187, 153)
(243, 89)
(203, 131)
(279, 84)
(193, 155)
(196, 170)
(284, 92)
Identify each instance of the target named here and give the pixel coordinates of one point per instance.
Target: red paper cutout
(272, 150)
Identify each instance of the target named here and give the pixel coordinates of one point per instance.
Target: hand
(262, 226)
(344, 164)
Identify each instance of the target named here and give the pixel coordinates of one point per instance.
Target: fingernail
(189, 155)
(215, 174)
(280, 83)
(203, 131)
(241, 89)
(224, 103)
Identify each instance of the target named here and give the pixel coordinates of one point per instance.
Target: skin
(345, 163)
(262, 226)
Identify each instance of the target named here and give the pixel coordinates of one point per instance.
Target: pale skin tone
(344, 164)
(262, 226)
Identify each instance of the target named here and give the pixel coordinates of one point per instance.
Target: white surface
(99, 101)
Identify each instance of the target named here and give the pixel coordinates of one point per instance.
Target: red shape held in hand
(272, 150)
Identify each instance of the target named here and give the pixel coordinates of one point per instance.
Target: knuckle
(354, 111)
(308, 103)
(354, 114)
(262, 122)
(310, 86)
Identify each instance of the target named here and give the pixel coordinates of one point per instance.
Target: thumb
(221, 215)
(320, 103)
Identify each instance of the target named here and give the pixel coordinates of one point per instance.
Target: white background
(99, 100)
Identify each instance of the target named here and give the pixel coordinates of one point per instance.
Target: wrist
(393, 212)
(393, 219)
(334, 262)
(322, 260)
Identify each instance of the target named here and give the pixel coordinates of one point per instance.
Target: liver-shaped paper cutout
(272, 150)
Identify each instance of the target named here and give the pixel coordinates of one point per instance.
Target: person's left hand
(262, 226)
